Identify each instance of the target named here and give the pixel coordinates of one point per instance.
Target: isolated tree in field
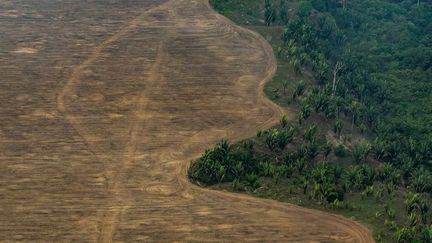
(283, 12)
(269, 13)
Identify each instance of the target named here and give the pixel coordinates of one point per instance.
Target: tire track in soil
(109, 219)
(182, 192)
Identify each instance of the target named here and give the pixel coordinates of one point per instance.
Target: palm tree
(305, 112)
(269, 13)
(378, 148)
(391, 213)
(405, 234)
(412, 202)
(285, 85)
(236, 184)
(283, 139)
(355, 110)
(366, 148)
(275, 93)
(371, 114)
(357, 154)
(283, 13)
(299, 90)
(422, 181)
(312, 149)
(220, 173)
(424, 208)
(338, 127)
(252, 181)
(413, 219)
(390, 188)
(320, 101)
(379, 193)
(361, 152)
(340, 103)
(284, 121)
(222, 151)
(300, 164)
(327, 148)
(237, 169)
(271, 139)
(268, 169)
(311, 132)
(305, 184)
(427, 234)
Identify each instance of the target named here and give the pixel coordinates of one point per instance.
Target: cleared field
(103, 104)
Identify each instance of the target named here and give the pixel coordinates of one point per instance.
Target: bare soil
(104, 103)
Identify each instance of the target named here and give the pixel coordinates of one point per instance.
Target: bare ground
(104, 103)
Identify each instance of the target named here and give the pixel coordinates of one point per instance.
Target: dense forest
(359, 76)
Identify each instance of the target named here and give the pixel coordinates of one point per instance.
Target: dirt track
(102, 106)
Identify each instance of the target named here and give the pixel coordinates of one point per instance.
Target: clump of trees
(371, 63)
(299, 153)
(330, 38)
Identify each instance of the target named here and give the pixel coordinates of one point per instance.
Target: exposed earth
(104, 103)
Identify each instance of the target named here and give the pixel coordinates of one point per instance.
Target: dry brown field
(103, 103)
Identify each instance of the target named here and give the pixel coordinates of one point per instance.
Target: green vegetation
(294, 162)
(358, 73)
